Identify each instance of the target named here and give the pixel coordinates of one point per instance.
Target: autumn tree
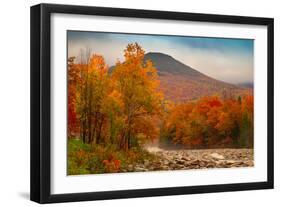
(113, 108)
(93, 90)
(229, 121)
(137, 82)
(72, 83)
(247, 122)
(199, 129)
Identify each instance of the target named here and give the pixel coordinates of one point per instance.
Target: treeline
(116, 108)
(210, 122)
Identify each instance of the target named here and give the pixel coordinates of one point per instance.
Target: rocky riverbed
(195, 159)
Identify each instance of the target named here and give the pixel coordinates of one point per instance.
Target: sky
(229, 60)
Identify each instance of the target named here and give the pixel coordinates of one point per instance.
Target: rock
(180, 162)
(250, 163)
(130, 167)
(202, 164)
(166, 162)
(185, 158)
(205, 160)
(139, 169)
(195, 162)
(165, 168)
(219, 163)
(238, 164)
(230, 162)
(205, 156)
(210, 165)
(158, 168)
(173, 166)
(146, 162)
(217, 156)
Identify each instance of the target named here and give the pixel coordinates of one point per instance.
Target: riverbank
(194, 159)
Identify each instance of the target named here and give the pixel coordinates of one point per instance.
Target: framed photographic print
(133, 103)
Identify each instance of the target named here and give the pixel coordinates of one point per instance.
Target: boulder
(217, 156)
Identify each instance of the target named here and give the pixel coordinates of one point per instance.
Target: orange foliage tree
(93, 88)
(137, 83)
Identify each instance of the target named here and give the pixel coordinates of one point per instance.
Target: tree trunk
(99, 130)
(84, 131)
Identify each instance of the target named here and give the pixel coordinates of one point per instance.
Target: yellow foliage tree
(137, 82)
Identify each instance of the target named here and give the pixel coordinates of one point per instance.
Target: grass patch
(86, 159)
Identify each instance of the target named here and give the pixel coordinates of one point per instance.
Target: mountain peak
(167, 64)
(159, 54)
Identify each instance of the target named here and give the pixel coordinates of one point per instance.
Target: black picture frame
(41, 96)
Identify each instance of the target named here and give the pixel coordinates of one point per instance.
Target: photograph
(152, 102)
(133, 103)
